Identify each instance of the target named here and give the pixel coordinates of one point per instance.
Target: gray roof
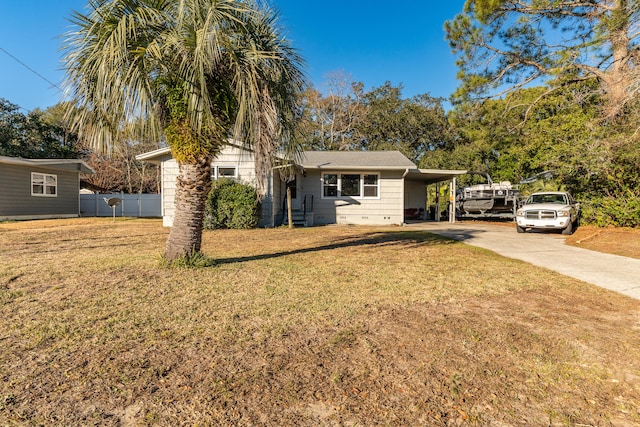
(340, 160)
(350, 160)
(378, 160)
(53, 164)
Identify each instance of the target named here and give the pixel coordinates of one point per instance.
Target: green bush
(232, 205)
(617, 211)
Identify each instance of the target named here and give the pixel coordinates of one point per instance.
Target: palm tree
(194, 72)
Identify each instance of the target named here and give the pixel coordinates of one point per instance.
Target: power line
(32, 70)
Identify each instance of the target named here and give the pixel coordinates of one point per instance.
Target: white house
(329, 187)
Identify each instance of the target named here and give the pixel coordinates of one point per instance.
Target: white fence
(137, 205)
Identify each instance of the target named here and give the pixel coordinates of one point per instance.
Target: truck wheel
(568, 230)
(519, 229)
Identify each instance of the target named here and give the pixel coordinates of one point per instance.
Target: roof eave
(447, 171)
(154, 156)
(354, 167)
(430, 176)
(51, 164)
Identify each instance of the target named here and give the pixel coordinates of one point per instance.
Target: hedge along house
(327, 187)
(40, 188)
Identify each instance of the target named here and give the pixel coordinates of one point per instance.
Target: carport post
(437, 218)
(452, 201)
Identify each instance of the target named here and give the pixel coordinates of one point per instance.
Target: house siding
(267, 218)
(415, 195)
(16, 201)
(230, 156)
(276, 199)
(169, 172)
(240, 159)
(387, 209)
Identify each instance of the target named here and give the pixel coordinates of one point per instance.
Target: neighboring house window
(350, 185)
(44, 184)
(225, 172)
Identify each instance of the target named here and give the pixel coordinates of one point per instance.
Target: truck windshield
(547, 198)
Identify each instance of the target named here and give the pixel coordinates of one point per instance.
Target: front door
(294, 185)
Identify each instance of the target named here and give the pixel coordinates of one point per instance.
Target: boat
(490, 200)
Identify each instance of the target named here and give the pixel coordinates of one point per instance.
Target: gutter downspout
(406, 172)
(452, 200)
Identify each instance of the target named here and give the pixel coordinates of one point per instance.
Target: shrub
(232, 204)
(617, 211)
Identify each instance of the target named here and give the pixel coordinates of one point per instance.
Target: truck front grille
(540, 214)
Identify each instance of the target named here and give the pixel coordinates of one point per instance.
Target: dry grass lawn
(332, 326)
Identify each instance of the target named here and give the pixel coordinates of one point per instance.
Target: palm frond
(111, 58)
(229, 61)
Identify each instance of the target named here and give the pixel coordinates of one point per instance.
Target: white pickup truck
(549, 210)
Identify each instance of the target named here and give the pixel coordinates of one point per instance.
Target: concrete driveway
(617, 273)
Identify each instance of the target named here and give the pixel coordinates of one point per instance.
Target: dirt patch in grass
(321, 326)
(618, 241)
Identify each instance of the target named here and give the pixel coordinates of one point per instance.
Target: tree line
(553, 85)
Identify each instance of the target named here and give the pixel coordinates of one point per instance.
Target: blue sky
(371, 41)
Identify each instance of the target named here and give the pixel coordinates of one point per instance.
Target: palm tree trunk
(192, 188)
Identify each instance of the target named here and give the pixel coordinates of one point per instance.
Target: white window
(225, 172)
(44, 185)
(356, 185)
(370, 185)
(330, 185)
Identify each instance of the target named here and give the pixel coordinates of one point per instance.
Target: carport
(416, 181)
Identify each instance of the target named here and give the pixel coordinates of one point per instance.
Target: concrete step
(298, 218)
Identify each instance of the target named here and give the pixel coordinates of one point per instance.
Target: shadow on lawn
(461, 233)
(458, 234)
(401, 239)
